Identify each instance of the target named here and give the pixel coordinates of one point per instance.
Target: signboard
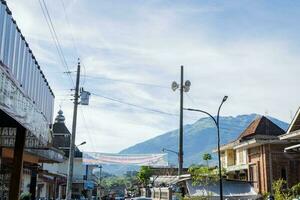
(94, 158)
(8, 136)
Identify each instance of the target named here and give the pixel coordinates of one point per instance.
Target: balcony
(236, 167)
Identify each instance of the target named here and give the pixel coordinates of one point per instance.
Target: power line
(135, 105)
(54, 36)
(75, 45)
(71, 28)
(87, 129)
(127, 81)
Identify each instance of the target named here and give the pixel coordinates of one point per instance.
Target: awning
(294, 148)
(169, 180)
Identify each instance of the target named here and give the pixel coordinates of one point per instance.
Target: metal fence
(18, 60)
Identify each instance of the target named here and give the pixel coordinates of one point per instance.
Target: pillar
(16, 175)
(33, 181)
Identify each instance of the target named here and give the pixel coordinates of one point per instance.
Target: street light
(169, 150)
(100, 174)
(183, 87)
(82, 143)
(217, 122)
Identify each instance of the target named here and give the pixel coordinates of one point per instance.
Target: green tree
(206, 157)
(144, 175)
(203, 175)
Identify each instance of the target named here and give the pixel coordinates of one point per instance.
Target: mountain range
(199, 138)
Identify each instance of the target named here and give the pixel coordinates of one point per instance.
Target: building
(257, 156)
(293, 134)
(26, 112)
(61, 140)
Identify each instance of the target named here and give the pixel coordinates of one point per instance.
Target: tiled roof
(62, 135)
(261, 126)
(60, 128)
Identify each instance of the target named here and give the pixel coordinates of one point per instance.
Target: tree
(207, 157)
(203, 175)
(144, 175)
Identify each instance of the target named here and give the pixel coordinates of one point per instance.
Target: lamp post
(217, 123)
(82, 143)
(183, 87)
(169, 150)
(100, 179)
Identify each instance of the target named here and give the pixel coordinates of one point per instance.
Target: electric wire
(54, 36)
(75, 45)
(87, 129)
(135, 105)
(126, 81)
(84, 72)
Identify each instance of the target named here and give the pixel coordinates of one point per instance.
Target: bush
(25, 196)
(196, 198)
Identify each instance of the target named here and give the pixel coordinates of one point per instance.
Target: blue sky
(248, 50)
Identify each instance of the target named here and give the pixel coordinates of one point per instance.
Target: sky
(131, 51)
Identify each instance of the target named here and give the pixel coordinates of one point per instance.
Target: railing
(25, 94)
(17, 59)
(236, 167)
(161, 193)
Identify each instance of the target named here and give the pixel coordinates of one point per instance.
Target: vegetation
(144, 175)
(25, 196)
(196, 198)
(207, 157)
(281, 192)
(119, 183)
(203, 175)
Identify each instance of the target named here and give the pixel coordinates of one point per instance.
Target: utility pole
(72, 142)
(183, 87)
(180, 156)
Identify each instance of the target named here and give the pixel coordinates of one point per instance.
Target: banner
(94, 158)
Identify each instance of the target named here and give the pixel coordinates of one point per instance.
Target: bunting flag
(94, 158)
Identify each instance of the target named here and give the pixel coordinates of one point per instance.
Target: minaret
(60, 118)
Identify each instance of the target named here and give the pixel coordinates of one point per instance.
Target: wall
(268, 162)
(62, 168)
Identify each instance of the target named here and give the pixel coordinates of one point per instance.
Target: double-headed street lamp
(183, 87)
(217, 122)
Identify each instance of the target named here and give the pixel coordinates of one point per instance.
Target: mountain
(199, 137)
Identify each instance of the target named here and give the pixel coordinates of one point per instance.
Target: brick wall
(269, 163)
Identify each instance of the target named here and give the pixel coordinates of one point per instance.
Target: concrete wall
(62, 168)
